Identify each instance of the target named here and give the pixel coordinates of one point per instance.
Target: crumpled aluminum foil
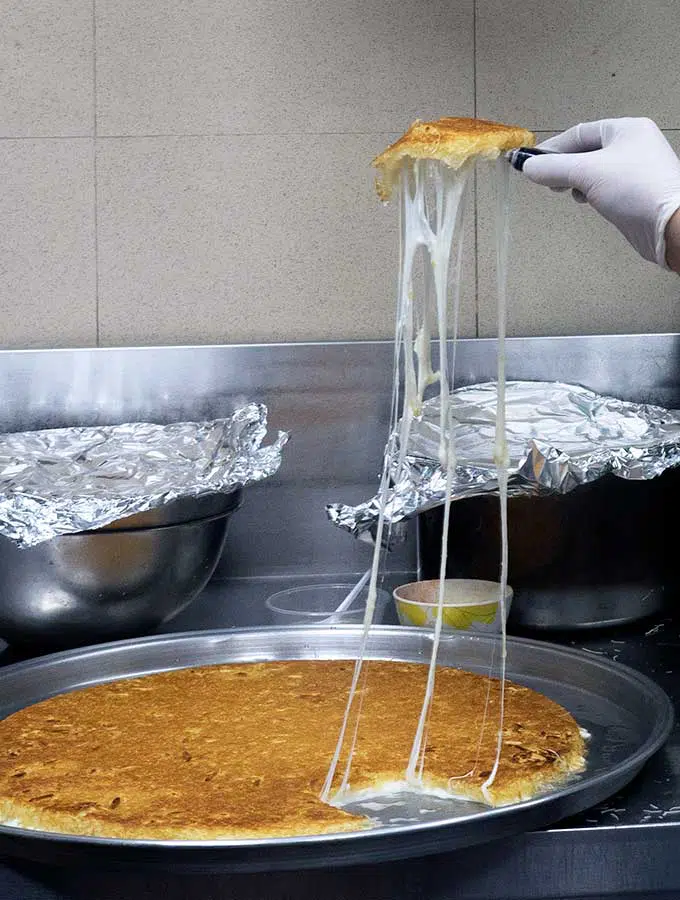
(66, 480)
(558, 435)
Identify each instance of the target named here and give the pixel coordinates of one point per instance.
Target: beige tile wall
(199, 170)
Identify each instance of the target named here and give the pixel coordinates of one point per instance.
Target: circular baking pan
(628, 716)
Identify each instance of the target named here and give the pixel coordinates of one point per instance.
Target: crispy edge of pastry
(22, 815)
(507, 789)
(452, 140)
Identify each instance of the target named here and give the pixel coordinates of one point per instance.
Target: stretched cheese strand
(412, 342)
(402, 343)
(501, 445)
(432, 228)
(448, 235)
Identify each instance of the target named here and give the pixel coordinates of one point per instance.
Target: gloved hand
(625, 169)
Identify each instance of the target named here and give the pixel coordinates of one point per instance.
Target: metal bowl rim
(107, 530)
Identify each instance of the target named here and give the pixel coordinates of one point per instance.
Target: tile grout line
(474, 58)
(228, 134)
(94, 172)
(203, 134)
(47, 137)
(475, 207)
(224, 134)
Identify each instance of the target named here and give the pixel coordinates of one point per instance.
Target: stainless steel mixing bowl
(119, 581)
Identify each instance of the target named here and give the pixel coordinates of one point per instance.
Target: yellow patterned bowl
(469, 605)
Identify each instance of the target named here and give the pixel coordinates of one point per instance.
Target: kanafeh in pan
(242, 750)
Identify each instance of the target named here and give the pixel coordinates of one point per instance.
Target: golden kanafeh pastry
(242, 750)
(453, 141)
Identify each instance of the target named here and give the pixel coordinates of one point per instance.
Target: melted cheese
(432, 206)
(501, 444)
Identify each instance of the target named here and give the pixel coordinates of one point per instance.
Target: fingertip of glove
(531, 167)
(540, 170)
(553, 170)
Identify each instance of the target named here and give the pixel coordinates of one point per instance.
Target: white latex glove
(625, 169)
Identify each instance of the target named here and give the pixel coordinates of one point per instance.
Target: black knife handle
(519, 156)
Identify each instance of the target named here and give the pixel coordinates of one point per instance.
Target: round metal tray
(628, 716)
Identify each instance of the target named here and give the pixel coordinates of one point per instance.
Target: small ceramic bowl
(469, 605)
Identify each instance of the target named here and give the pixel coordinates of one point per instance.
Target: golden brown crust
(241, 751)
(451, 140)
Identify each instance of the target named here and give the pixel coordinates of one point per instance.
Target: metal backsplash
(334, 399)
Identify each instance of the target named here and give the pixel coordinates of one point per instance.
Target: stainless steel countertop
(625, 844)
(335, 399)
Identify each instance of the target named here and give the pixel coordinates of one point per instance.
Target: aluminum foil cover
(559, 436)
(65, 480)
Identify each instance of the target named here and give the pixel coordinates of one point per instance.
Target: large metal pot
(603, 554)
(119, 581)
